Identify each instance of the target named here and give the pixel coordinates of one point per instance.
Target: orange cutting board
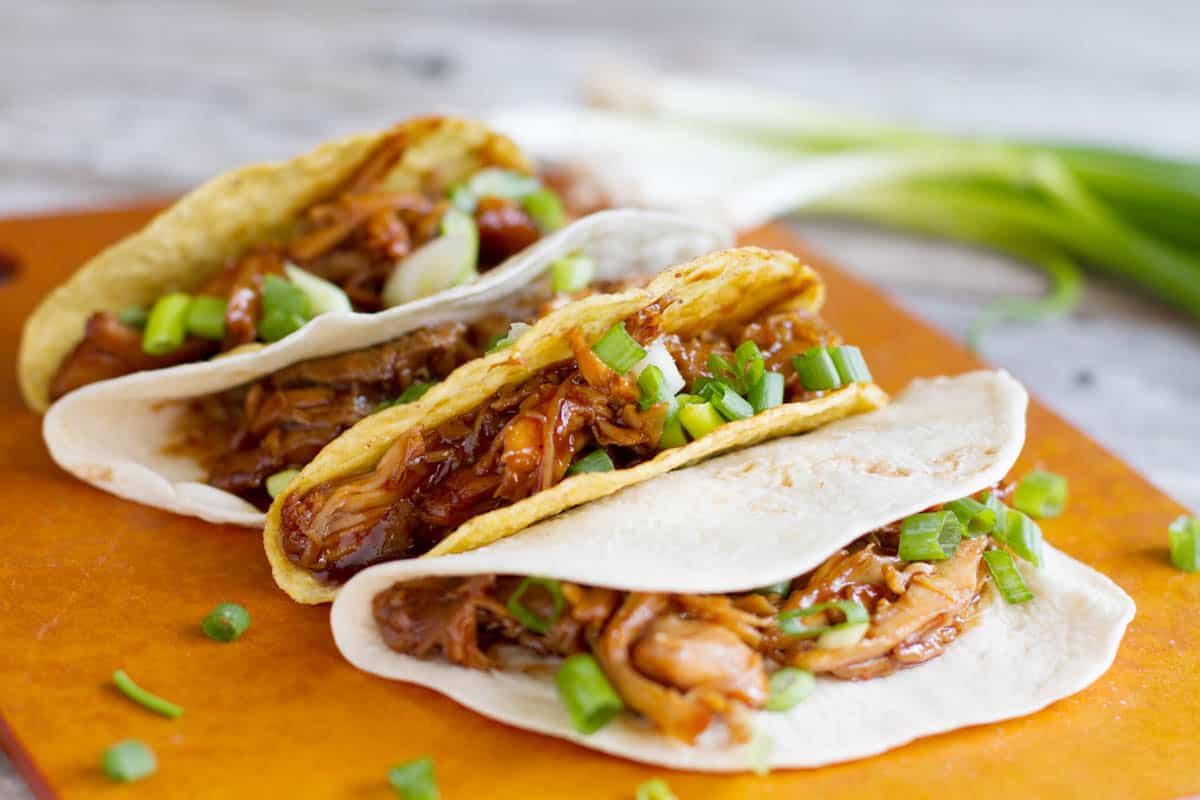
(90, 583)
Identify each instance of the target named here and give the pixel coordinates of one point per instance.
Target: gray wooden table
(103, 102)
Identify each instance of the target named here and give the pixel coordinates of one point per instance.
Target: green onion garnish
(791, 622)
(618, 350)
(166, 327)
(851, 366)
(527, 616)
(134, 317)
(1024, 536)
(654, 388)
(673, 434)
(546, 210)
(274, 327)
(413, 393)
(506, 183)
(816, 370)
(782, 588)
(226, 622)
(707, 388)
(324, 296)
(571, 273)
(929, 537)
(1000, 529)
(595, 461)
(789, 687)
(653, 789)
(144, 698)
(585, 691)
(278, 483)
(206, 317)
(1008, 580)
(507, 340)
(767, 392)
(415, 780)
(700, 419)
(462, 198)
(976, 518)
(284, 309)
(750, 365)
(128, 761)
(1041, 494)
(1185, 543)
(731, 404)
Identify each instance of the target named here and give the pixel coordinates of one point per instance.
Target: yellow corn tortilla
(730, 285)
(189, 242)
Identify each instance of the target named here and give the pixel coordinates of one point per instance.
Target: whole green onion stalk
(1059, 207)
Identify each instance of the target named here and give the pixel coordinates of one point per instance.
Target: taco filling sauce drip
(522, 440)
(684, 660)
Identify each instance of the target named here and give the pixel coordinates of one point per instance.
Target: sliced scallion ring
(976, 518)
(527, 616)
(654, 388)
(1041, 494)
(226, 622)
(277, 484)
(546, 209)
(506, 183)
(595, 461)
(571, 273)
(415, 780)
(749, 363)
(1000, 529)
(673, 434)
(128, 761)
(789, 687)
(1008, 580)
(700, 419)
(1023, 536)
(449, 260)
(1184, 534)
(166, 326)
(584, 689)
(767, 392)
(816, 370)
(618, 350)
(932, 536)
(323, 296)
(731, 404)
(657, 355)
(134, 316)
(850, 364)
(206, 317)
(791, 622)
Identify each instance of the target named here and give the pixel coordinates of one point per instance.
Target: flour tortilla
(115, 434)
(769, 513)
(728, 285)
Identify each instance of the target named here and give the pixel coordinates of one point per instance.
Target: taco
(806, 601)
(362, 224)
(217, 438)
(585, 402)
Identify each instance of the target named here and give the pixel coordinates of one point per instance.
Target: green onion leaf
(226, 622)
(654, 388)
(932, 536)
(527, 616)
(1024, 536)
(791, 623)
(415, 780)
(462, 198)
(731, 404)
(128, 761)
(1000, 529)
(584, 689)
(1008, 580)
(546, 210)
(707, 388)
(506, 183)
(1041, 494)
(618, 350)
(595, 461)
(206, 317)
(722, 371)
(166, 327)
(750, 365)
(782, 589)
(281, 296)
(789, 688)
(816, 369)
(976, 518)
(278, 483)
(850, 364)
(273, 327)
(1184, 534)
(571, 273)
(413, 393)
(767, 392)
(653, 789)
(144, 698)
(700, 419)
(134, 317)
(324, 296)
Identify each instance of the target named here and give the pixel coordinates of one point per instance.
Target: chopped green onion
(507, 340)
(976, 518)
(731, 404)
(506, 183)
(144, 698)
(1024, 536)
(657, 355)
(128, 761)
(206, 317)
(1184, 534)
(654, 388)
(527, 616)
(654, 789)
(851, 366)
(413, 393)
(1008, 580)
(996, 505)
(546, 210)
(767, 392)
(226, 622)
(700, 419)
(166, 327)
(415, 780)
(571, 273)
(595, 461)
(782, 588)
(462, 198)
(707, 388)
(1041, 494)
(791, 622)
(847, 636)
(750, 365)
(789, 687)
(618, 350)
(672, 434)
(584, 689)
(929, 537)
(277, 483)
(134, 317)
(281, 296)
(273, 327)
(324, 297)
(816, 370)
(449, 260)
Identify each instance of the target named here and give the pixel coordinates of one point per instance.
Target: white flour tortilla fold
(769, 513)
(113, 434)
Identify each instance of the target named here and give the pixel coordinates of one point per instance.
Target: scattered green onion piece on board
(1184, 534)
(206, 317)
(277, 483)
(1041, 494)
(816, 370)
(147, 700)
(654, 789)
(700, 419)
(618, 350)
(134, 316)
(791, 622)
(595, 461)
(546, 210)
(850, 364)
(782, 589)
(1008, 580)
(654, 388)
(731, 404)
(527, 616)
(571, 273)
(584, 689)
(932, 536)
(166, 327)
(226, 622)
(323, 296)
(1023, 536)
(415, 780)
(767, 392)
(413, 393)
(128, 761)
(976, 518)
(506, 183)
(789, 687)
